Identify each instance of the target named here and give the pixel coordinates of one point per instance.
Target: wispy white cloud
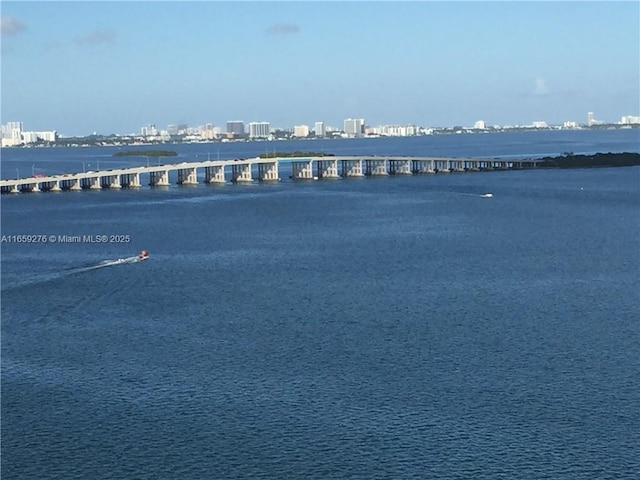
(10, 25)
(96, 37)
(283, 29)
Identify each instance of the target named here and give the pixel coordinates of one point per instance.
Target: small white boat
(487, 195)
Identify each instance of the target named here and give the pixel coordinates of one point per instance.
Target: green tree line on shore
(145, 153)
(570, 160)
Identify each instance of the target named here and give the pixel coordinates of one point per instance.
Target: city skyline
(14, 133)
(81, 67)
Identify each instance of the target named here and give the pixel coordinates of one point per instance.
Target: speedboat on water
(487, 195)
(143, 255)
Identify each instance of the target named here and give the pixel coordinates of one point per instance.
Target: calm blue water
(391, 328)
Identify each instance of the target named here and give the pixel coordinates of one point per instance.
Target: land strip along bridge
(261, 169)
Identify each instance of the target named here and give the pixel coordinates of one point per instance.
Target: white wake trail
(52, 276)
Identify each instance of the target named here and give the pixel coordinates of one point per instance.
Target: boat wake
(108, 263)
(57, 275)
(481, 195)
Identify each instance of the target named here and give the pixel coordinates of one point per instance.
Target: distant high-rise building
(393, 130)
(13, 131)
(30, 137)
(319, 129)
(172, 129)
(354, 126)
(480, 125)
(629, 120)
(591, 120)
(149, 131)
(301, 131)
(12, 126)
(51, 136)
(33, 137)
(259, 129)
(208, 131)
(235, 127)
(13, 134)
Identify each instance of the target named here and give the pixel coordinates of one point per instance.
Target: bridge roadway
(262, 169)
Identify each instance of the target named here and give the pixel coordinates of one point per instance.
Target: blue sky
(112, 67)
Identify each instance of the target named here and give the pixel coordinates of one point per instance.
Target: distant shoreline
(134, 141)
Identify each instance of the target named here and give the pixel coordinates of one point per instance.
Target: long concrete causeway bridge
(261, 169)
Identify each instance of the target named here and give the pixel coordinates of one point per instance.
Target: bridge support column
(130, 180)
(75, 185)
(328, 169)
(302, 170)
(443, 165)
(241, 173)
(113, 181)
(400, 167)
(95, 183)
(214, 174)
(268, 172)
(159, 178)
(56, 187)
(135, 181)
(424, 166)
(473, 165)
(188, 176)
(375, 167)
(352, 168)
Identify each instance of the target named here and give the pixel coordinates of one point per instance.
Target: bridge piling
(214, 174)
(159, 178)
(268, 170)
(241, 173)
(328, 168)
(302, 170)
(375, 167)
(187, 176)
(352, 168)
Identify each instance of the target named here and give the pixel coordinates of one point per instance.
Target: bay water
(391, 328)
